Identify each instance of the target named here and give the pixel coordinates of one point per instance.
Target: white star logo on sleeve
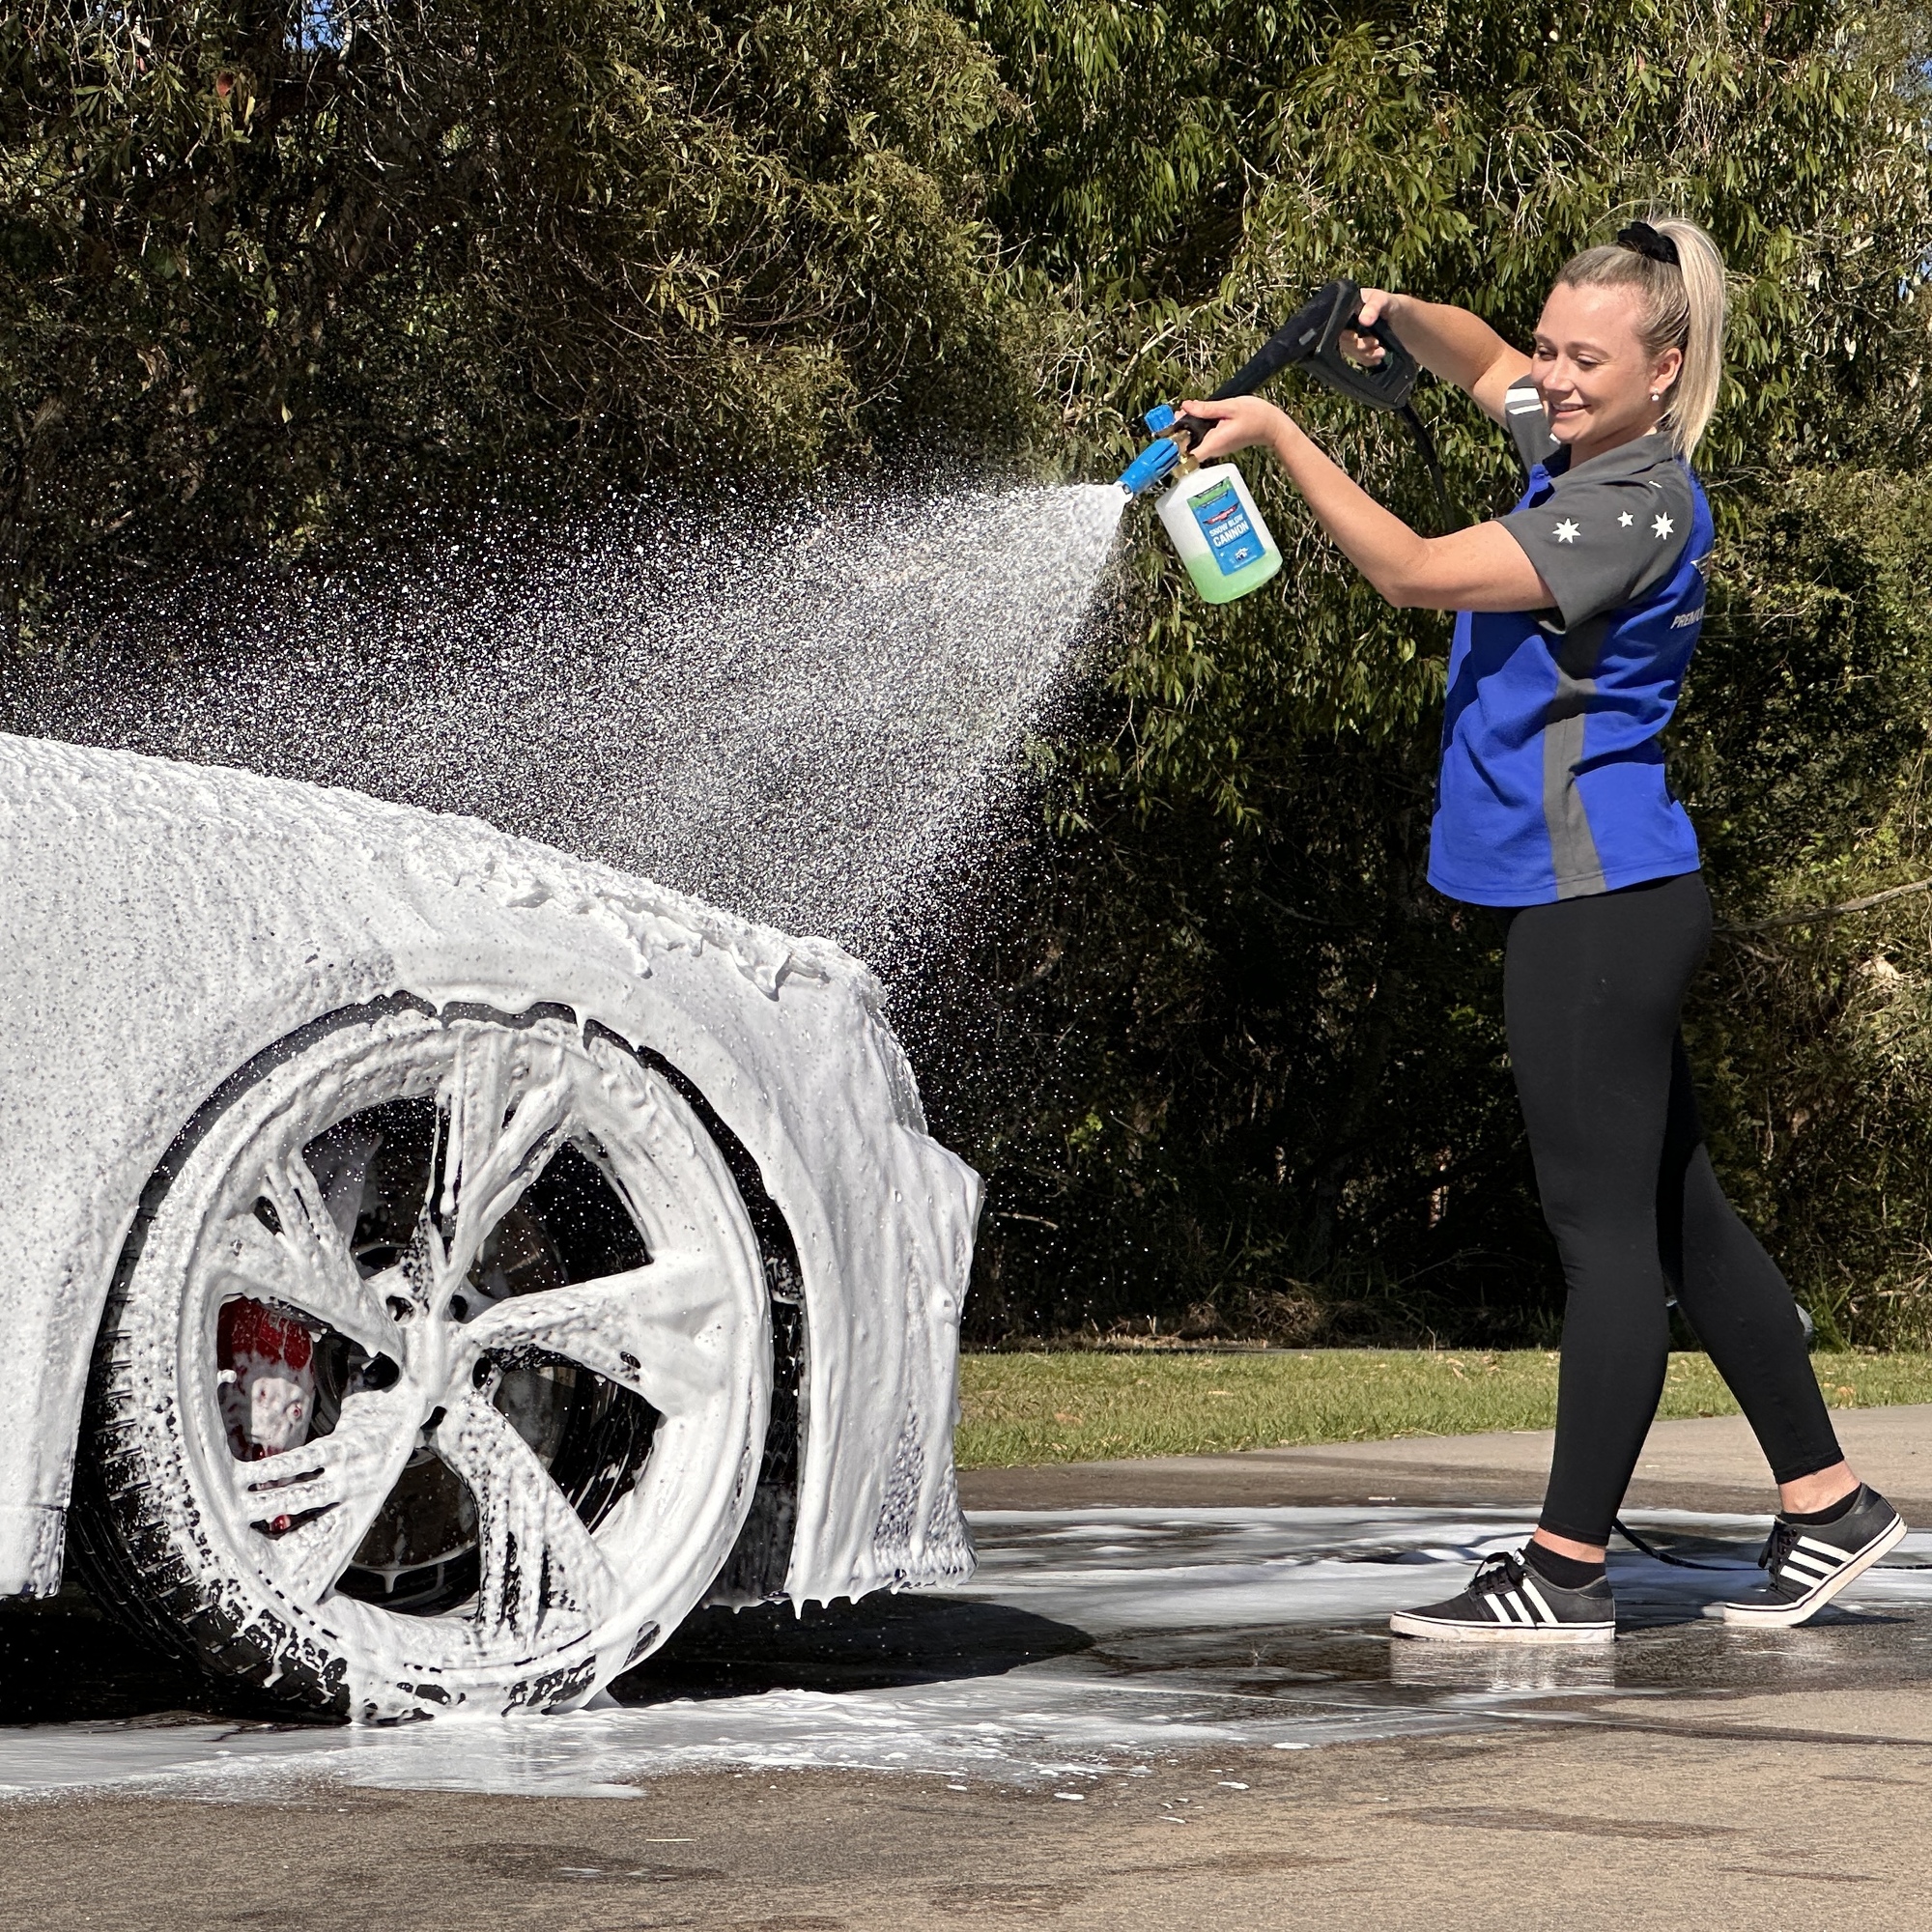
(1626, 519)
(1662, 525)
(1566, 531)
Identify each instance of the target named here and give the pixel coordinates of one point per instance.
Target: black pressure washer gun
(1311, 340)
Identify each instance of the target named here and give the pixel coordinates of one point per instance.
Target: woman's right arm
(1448, 342)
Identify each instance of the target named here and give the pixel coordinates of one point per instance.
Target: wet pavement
(1094, 1647)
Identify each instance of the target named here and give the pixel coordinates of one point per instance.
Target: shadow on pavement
(63, 1661)
(879, 1643)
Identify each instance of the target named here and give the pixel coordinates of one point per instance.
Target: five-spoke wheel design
(439, 1371)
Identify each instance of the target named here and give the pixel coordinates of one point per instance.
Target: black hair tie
(1641, 238)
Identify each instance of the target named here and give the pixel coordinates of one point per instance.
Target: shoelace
(1501, 1570)
(1778, 1545)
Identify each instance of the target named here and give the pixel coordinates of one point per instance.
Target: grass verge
(1082, 1407)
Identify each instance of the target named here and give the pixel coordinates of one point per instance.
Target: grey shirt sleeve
(1603, 542)
(1528, 425)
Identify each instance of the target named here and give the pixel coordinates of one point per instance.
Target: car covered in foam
(431, 1266)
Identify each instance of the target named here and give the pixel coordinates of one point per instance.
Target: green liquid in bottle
(1217, 588)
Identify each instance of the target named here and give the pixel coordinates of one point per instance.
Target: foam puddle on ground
(1092, 1643)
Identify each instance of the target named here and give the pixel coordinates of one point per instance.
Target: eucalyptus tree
(267, 267)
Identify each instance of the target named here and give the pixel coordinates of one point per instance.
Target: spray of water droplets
(811, 719)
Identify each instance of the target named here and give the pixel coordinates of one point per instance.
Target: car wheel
(436, 1371)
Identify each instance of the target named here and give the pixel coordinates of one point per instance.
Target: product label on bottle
(1231, 538)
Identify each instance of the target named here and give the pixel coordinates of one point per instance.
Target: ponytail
(1683, 308)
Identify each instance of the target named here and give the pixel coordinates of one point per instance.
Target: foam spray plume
(809, 721)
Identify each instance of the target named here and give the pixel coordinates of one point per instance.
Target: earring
(1656, 395)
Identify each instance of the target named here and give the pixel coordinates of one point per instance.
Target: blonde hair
(1683, 308)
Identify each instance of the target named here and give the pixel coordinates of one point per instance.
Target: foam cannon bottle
(1214, 525)
(1213, 522)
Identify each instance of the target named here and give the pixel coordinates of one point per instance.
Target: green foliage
(252, 288)
(1257, 1069)
(1802, 755)
(1264, 1072)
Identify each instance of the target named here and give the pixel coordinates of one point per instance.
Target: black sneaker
(1810, 1563)
(1507, 1602)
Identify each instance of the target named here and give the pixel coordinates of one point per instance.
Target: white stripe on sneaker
(1536, 1597)
(1807, 1572)
(1831, 1552)
(1801, 1564)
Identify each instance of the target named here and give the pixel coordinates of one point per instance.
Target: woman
(1575, 618)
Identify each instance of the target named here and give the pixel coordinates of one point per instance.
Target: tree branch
(1811, 914)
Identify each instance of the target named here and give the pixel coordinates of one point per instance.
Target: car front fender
(168, 924)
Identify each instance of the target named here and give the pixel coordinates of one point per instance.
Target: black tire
(598, 1525)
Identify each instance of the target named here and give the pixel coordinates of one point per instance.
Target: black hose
(1452, 516)
(1651, 1549)
(1308, 340)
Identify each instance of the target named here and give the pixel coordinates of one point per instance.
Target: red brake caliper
(267, 1406)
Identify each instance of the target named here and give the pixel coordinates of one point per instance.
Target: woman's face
(1592, 370)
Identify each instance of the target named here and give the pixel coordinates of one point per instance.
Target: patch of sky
(317, 26)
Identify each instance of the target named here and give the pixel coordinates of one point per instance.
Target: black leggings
(1591, 993)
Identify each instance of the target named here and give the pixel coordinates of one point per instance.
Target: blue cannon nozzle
(1153, 463)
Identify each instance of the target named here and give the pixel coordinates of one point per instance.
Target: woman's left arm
(1479, 569)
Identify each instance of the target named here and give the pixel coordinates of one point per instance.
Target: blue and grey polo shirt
(1552, 783)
